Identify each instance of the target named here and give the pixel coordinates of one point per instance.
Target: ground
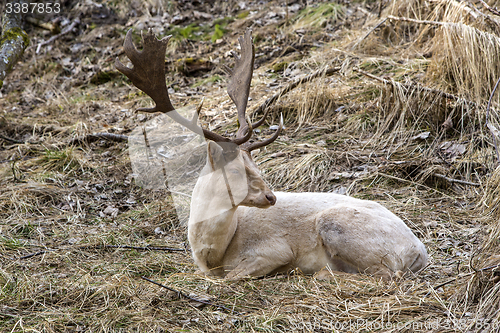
(390, 110)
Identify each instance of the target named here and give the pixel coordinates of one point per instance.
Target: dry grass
(345, 133)
(464, 57)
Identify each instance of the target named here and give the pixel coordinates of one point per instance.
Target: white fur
(309, 231)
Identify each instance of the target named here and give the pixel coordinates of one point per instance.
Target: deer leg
(258, 266)
(350, 235)
(261, 265)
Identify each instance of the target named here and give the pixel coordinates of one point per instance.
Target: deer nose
(271, 198)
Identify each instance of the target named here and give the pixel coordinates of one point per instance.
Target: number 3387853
(40, 8)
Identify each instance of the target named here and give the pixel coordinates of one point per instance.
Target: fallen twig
(458, 181)
(180, 293)
(139, 248)
(464, 275)
(489, 267)
(407, 19)
(493, 10)
(98, 136)
(291, 86)
(34, 254)
(6, 138)
(447, 282)
(107, 246)
(62, 33)
(368, 34)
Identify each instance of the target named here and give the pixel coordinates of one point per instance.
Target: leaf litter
(412, 136)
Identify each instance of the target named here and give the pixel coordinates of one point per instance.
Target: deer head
(230, 170)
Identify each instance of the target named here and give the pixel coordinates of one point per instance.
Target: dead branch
(414, 85)
(470, 10)
(445, 283)
(62, 33)
(98, 136)
(138, 248)
(368, 34)
(292, 85)
(6, 138)
(34, 254)
(464, 275)
(180, 293)
(458, 181)
(13, 41)
(491, 9)
(407, 19)
(107, 246)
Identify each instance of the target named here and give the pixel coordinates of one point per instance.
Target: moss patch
(13, 34)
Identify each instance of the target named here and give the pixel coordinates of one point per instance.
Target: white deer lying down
(308, 231)
(238, 227)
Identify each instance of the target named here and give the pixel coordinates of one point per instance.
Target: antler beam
(148, 74)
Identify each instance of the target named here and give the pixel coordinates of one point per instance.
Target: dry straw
(345, 133)
(467, 58)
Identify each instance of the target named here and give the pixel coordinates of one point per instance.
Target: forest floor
(396, 119)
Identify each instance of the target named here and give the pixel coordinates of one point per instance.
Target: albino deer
(238, 227)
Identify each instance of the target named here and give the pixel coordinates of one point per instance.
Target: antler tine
(261, 120)
(239, 86)
(255, 145)
(148, 74)
(198, 111)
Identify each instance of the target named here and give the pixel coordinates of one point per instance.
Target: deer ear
(215, 156)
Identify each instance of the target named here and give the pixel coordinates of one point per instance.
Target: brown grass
(345, 133)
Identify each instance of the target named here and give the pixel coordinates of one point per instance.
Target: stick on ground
(180, 293)
(107, 246)
(62, 33)
(458, 181)
(98, 136)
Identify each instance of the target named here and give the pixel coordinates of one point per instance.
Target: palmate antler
(148, 74)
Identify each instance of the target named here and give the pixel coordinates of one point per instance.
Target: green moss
(280, 66)
(181, 33)
(13, 34)
(197, 32)
(243, 14)
(223, 22)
